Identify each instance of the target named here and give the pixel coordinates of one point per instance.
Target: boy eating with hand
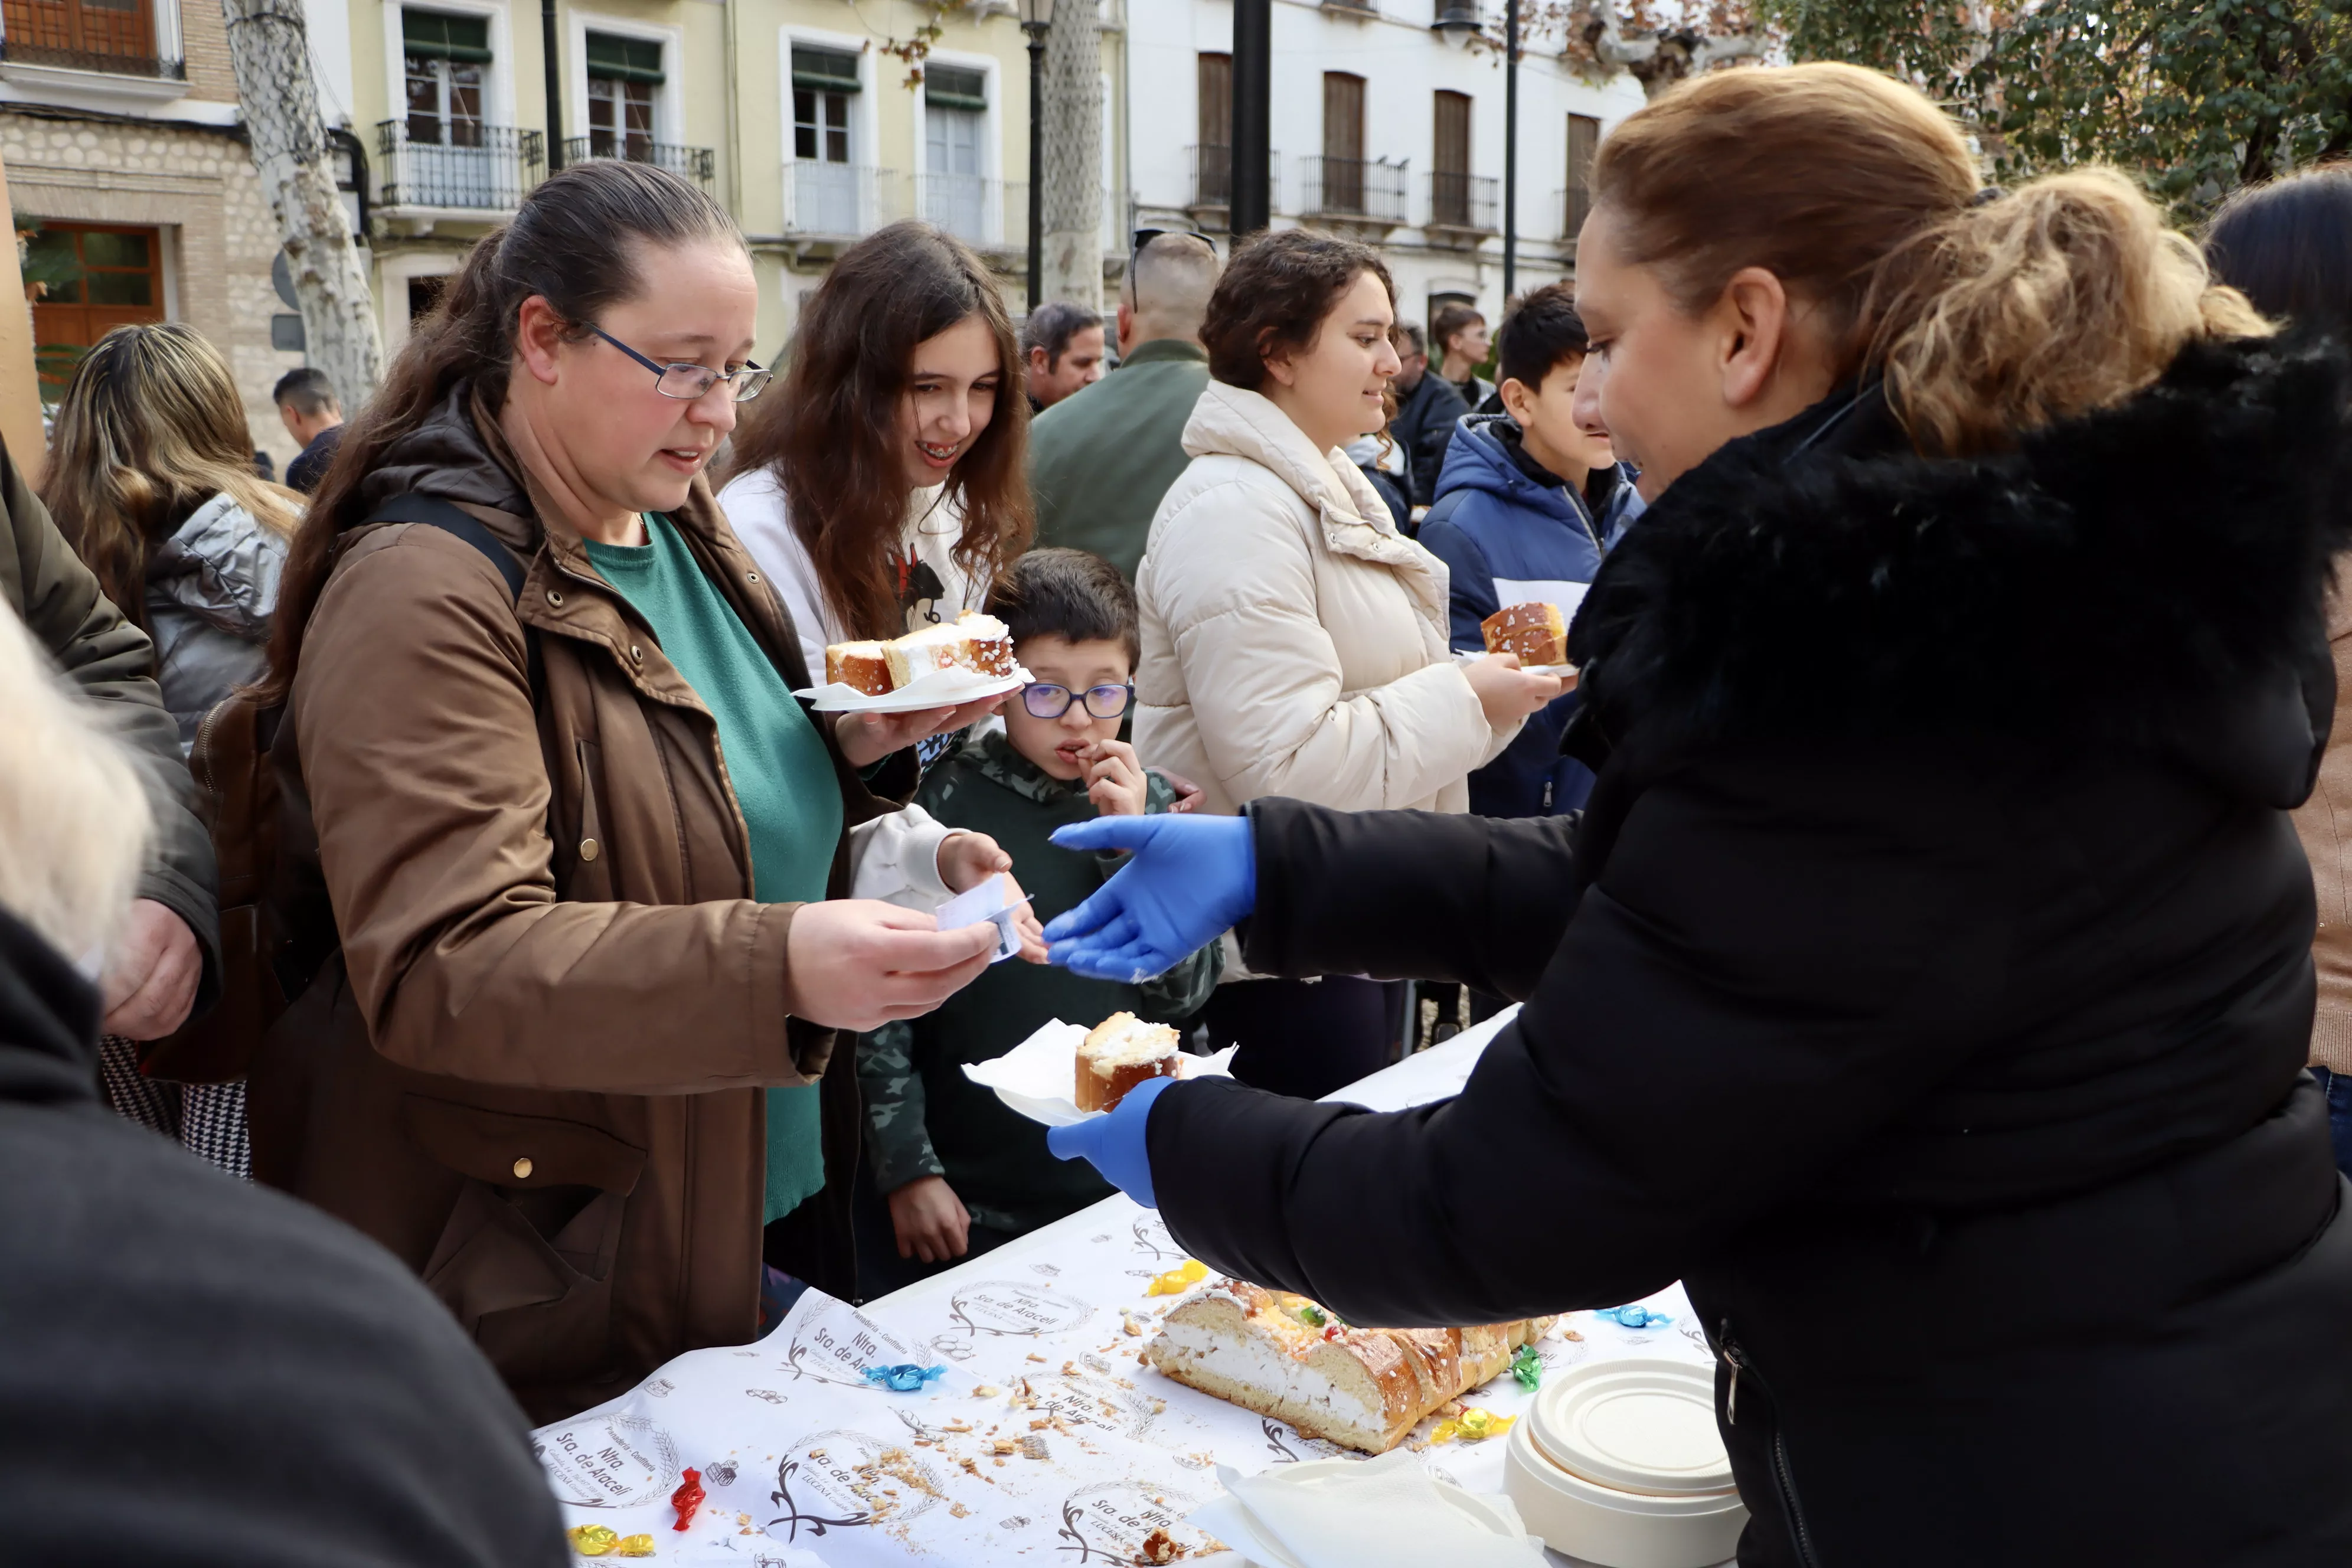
(959, 1171)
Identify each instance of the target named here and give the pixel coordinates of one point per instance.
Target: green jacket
(924, 1118)
(1100, 461)
(110, 660)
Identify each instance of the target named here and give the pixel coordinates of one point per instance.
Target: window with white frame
(623, 78)
(448, 61)
(824, 84)
(955, 155)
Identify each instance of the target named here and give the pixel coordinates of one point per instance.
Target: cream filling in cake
(1130, 1044)
(1255, 1373)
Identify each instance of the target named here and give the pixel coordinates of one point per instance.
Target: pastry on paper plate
(1120, 1053)
(1537, 633)
(1282, 1355)
(865, 666)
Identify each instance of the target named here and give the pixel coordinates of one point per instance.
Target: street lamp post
(1037, 16)
(1510, 148)
(1249, 196)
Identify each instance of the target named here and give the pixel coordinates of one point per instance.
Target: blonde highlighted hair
(149, 429)
(73, 820)
(1989, 313)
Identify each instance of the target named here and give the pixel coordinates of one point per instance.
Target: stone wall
(198, 184)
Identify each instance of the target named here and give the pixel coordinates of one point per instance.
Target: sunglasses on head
(1044, 699)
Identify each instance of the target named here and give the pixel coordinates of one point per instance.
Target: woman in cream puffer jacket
(1294, 643)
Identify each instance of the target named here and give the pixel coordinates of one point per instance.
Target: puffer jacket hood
(1480, 460)
(212, 587)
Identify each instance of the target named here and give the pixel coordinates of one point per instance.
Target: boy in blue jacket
(1526, 504)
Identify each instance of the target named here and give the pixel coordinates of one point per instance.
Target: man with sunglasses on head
(960, 1173)
(1100, 461)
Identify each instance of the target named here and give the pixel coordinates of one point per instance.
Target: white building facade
(1383, 128)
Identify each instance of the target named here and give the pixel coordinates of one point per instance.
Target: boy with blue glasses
(960, 1173)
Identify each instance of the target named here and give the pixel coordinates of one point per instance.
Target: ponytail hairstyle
(1988, 313)
(830, 431)
(149, 429)
(578, 242)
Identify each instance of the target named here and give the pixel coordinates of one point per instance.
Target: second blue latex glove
(1115, 1144)
(1191, 877)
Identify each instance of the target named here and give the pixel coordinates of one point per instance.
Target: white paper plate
(936, 688)
(1038, 1078)
(1231, 1521)
(1565, 672)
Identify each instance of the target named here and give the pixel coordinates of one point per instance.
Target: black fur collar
(2119, 574)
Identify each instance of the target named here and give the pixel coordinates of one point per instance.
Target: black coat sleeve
(1769, 968)
(1408, 895)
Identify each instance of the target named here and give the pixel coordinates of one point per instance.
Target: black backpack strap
(440, 514)
(436, 513)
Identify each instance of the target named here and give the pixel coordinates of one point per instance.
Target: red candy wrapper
(686, 1498)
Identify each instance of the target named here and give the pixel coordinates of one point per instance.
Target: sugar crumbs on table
(957, 1511)
(634, 1546)
(594, 1540)
(1159, 1548)
(1528, 1367)
(986, 1391)
(1034, 1356)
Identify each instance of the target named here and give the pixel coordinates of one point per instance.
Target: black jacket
(1927, 986)
(1423, 426)
(194, 1371)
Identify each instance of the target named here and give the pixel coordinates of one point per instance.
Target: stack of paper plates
(1620, 1463)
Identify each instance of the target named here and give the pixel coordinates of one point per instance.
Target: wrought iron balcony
(1213, 178)
(1466, 204)
(697, 164)
(457, 165)
(1362, 188)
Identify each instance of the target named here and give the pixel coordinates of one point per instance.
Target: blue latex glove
(1191, 877)
(1114, 1144)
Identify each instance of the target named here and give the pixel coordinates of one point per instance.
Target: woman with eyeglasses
(884, 486)
(566, 1044)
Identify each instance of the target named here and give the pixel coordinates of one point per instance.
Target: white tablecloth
(1043, 1438)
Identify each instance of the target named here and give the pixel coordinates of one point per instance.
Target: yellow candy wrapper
(637, 1546)
(593, 1539)
(1473, 1425)
(1176, 1281)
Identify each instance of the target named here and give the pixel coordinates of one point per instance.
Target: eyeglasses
(1045, 700)
(687, 381)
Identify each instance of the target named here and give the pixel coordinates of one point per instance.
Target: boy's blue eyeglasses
(1045, 700)
(687, 381)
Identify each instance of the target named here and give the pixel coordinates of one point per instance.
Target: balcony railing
(840, 199)
(1212, 177)
(1463, 201)
(697, 164)
(90, 38)
(482, 168)
(972, 207)
(1356, 188)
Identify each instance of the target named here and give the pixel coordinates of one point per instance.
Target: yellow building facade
(815, 122)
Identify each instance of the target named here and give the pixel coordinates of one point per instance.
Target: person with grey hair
(195, 1370)
(1100, 464)
(1061, 352)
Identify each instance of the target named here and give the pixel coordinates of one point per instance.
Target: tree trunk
(1073, 176)
(270, 49)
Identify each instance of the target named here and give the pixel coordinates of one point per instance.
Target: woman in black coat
(1927, 985)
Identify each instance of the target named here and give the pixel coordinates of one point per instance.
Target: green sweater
(1099, 460)
(924, 1117)
(782, 778)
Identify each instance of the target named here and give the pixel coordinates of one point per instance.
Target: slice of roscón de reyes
(1284, 1356)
